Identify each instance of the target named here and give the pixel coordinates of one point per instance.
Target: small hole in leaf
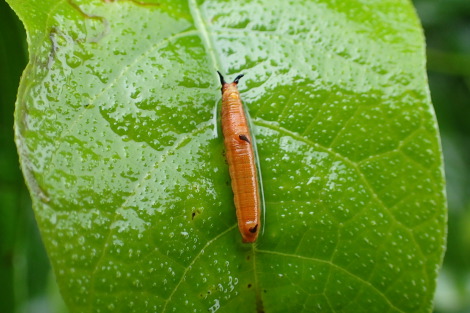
(195, 213)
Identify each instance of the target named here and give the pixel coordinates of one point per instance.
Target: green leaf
(12, 190)
(121, 148)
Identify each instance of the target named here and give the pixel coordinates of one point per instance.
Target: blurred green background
(447, 28)
(26, 281)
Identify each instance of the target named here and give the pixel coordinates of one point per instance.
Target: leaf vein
(137, 184)
(82, 113)
(193, 261)
(360, 279)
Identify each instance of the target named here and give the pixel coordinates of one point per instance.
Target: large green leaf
(120, 145)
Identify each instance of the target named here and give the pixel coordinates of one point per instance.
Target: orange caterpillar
(241, 161)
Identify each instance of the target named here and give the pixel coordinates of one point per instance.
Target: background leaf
(24, 267)
(448, 47)
(122, 154)
(10, 181)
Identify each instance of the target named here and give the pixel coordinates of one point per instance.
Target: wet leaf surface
(120, 144)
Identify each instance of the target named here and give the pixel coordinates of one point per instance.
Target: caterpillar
(241, 161)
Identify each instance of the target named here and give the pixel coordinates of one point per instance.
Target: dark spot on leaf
(146, 4)
(100, 19)
(142, 3)
(249, 285)
(195, 213)
(54, 46)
